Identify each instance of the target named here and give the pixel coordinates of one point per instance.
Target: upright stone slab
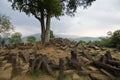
(61, 72)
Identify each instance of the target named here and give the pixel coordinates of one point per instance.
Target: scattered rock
(98, 76)
(75, 76)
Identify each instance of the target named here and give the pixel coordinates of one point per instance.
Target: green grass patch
(14, 74)
(66, 77)
(81, 78)
(2, 79)
(37, 74)
(118, 78)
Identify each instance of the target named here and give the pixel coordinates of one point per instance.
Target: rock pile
(63, 44)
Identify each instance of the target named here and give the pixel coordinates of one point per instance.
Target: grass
(37, 74)
(66, 77)
(118, 78)
(2, 79)
(14, 74)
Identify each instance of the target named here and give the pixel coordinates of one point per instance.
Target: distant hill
(86, 39)
(71, 37)
(37, 36)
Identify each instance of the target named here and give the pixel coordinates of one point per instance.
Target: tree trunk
(42, 28)
(45, 29)
(42, 33)
(47, 32)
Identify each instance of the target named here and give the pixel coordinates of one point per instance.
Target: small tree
(5, 24)
(82, 42)
(16, 38)
(31, 39)
(51, 34)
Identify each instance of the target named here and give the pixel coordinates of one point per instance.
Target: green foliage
(112, 41)
(81, 41)
(37, 74)
(51, 34)
(105, 41)
(5, 24)
(66, 77)
(31, 39)
(16, 38)
(72, 5)
(55, 7)
(116, 39)
(35, 7)
(2, 42)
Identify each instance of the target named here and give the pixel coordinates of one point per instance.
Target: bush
(51, 34)
(116, 39)
(113, 41)
(31, 39)
(105, 41)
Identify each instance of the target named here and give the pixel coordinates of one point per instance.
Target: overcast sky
(96, 21)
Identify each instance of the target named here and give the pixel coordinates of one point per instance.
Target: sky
(95, 21)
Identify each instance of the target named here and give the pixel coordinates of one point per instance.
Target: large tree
(44, 10)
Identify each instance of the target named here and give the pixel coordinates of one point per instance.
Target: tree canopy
(5, 24)
(16, 38)
(55, 7)
(31, 39)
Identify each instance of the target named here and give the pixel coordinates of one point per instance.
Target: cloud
(27, 30)
(97, 20)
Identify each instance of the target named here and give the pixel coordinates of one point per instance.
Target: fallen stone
(92, 68)
(75, 76)
(98, 76)
(69, 71)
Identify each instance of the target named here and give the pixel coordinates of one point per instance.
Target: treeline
(14, 38)
(112, 40)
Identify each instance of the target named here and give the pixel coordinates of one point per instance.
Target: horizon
(65, 36)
